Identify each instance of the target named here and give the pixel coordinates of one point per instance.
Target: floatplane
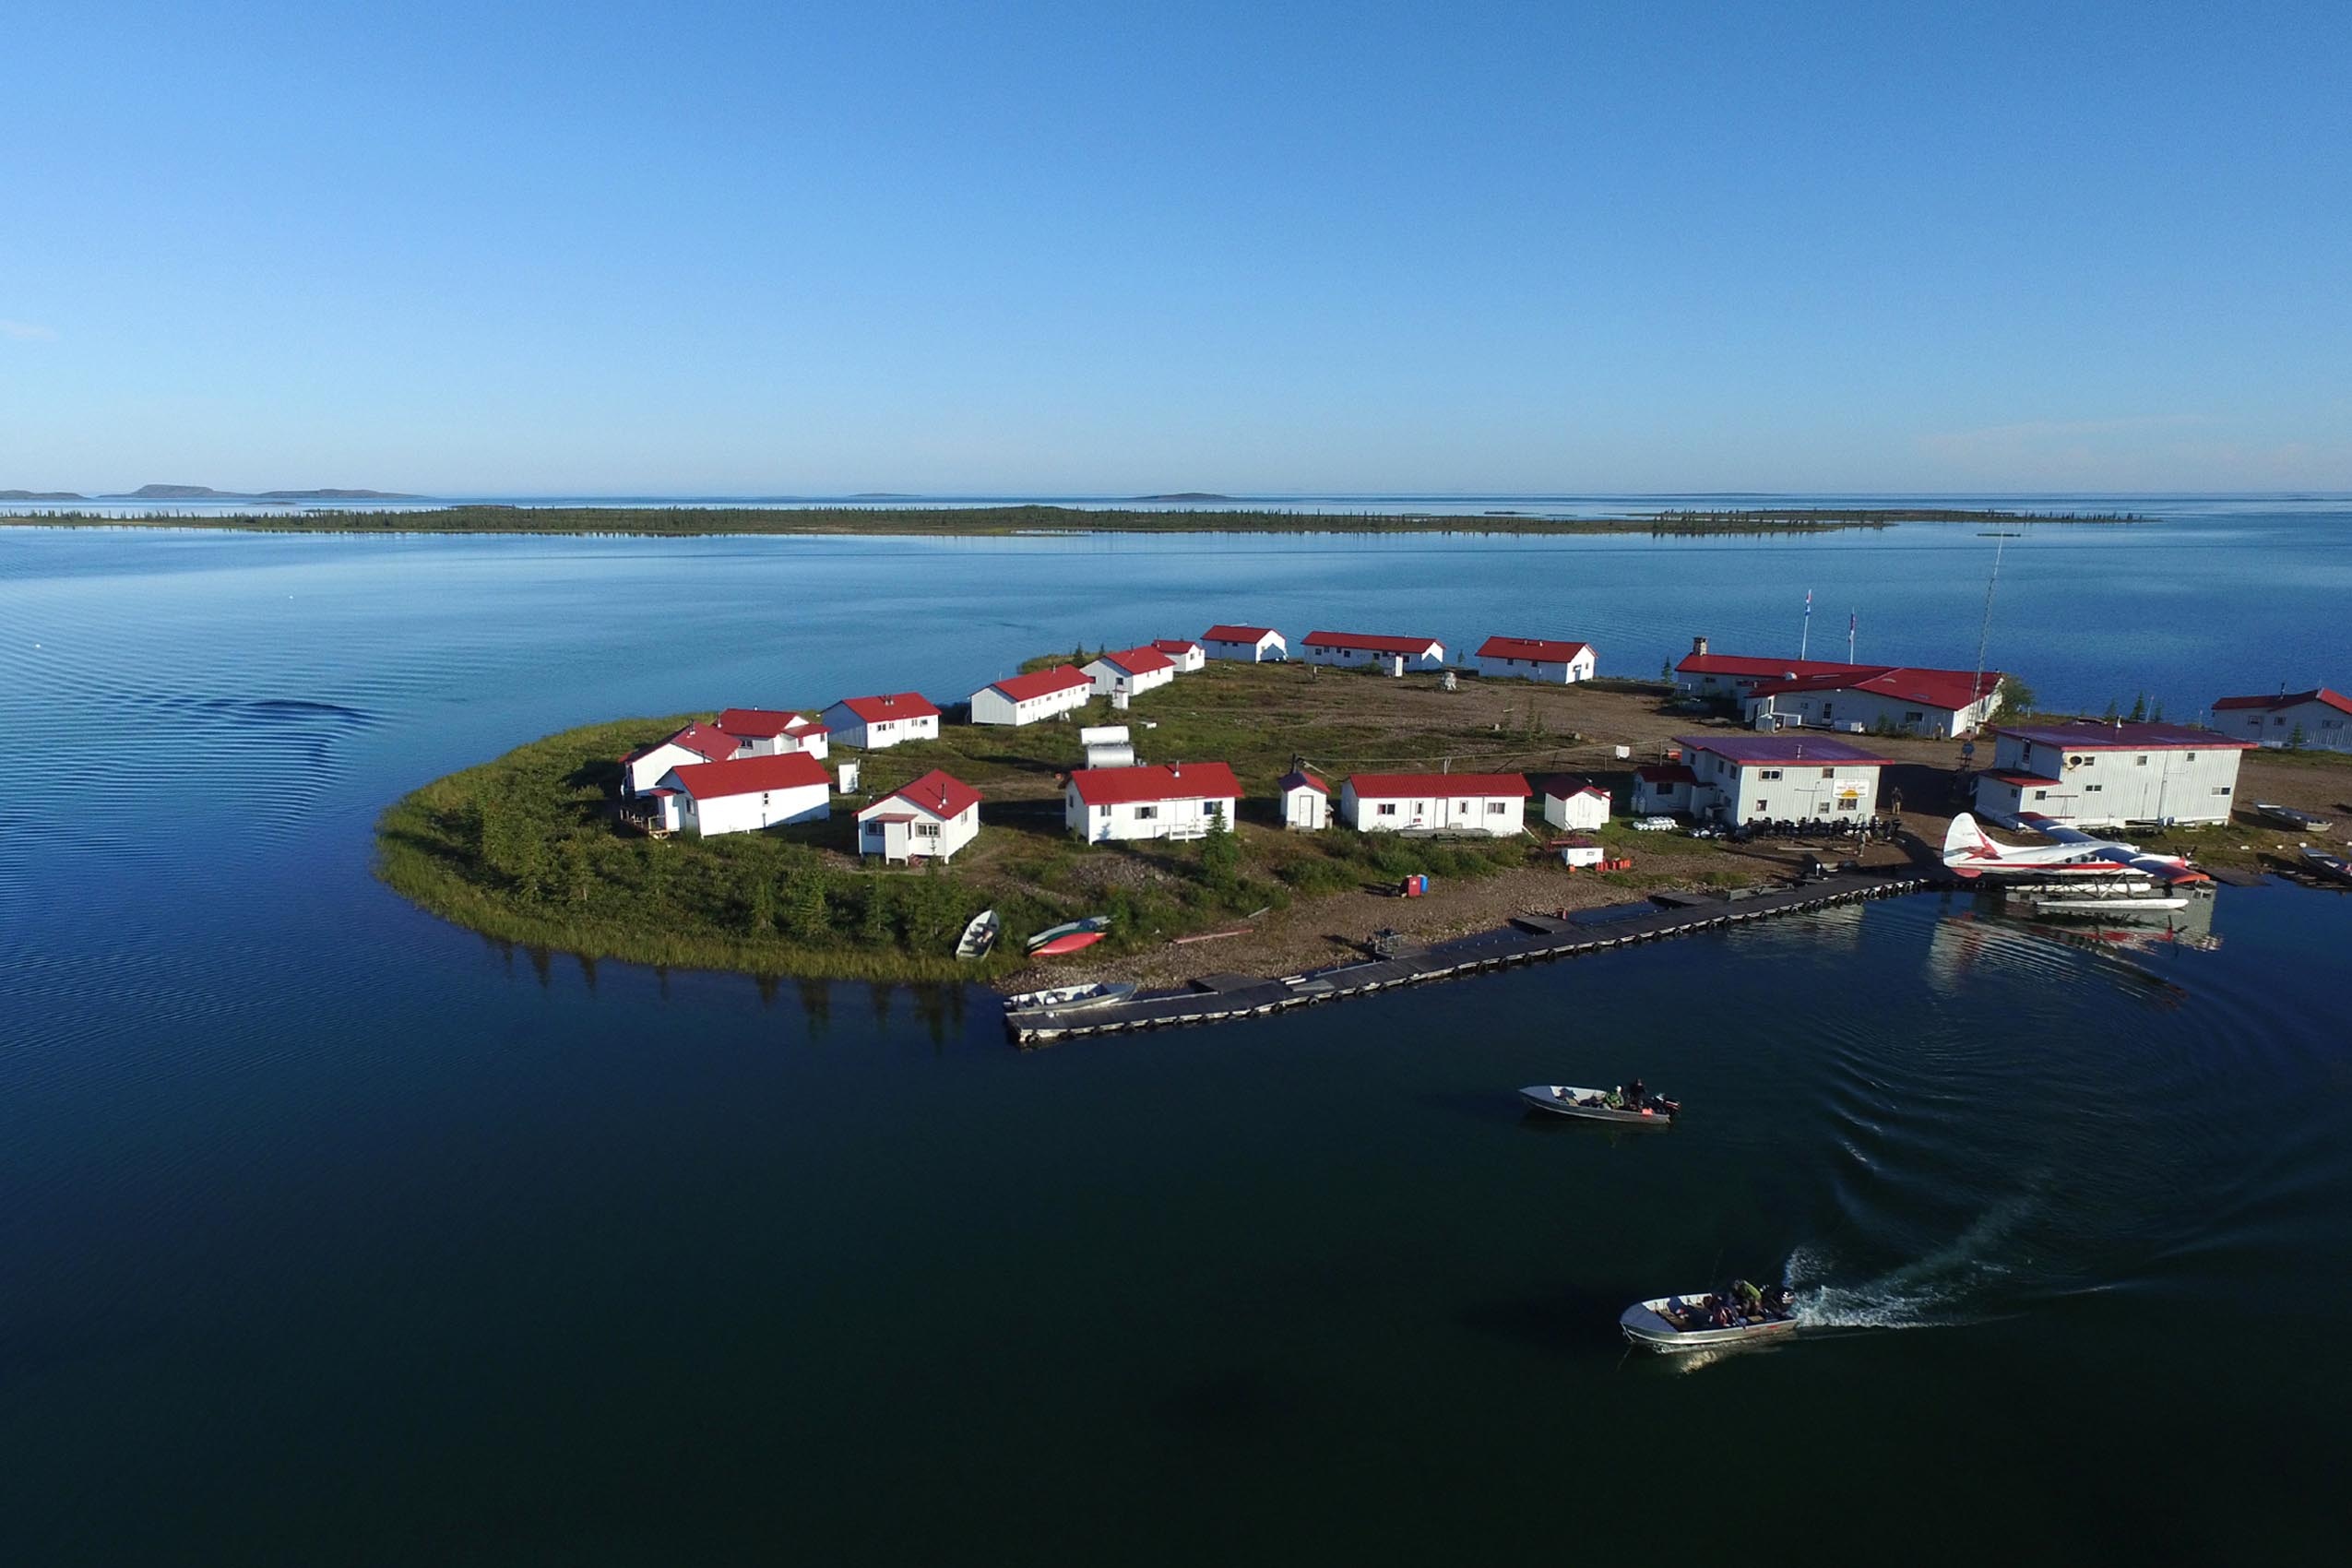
(2075, 873)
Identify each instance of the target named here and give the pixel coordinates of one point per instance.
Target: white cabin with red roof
(1535, 659)
(1131, 671)
(1494, 803)
(744, 795)
(766, 731)
(1797, 693)
(1306, 802)
(642, 769)
(1368, 648)
(1177, 800)
(929, 819)
(1663, 789)
(1182, 652)
(1024, 699)
(1577, 803)
(891, 720)
(2318, 720)
(2091, 773)
(1741, 778)
(1248, 644)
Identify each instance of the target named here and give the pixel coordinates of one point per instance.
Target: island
(959, 522)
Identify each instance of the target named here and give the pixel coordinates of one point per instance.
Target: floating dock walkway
(1528, 938)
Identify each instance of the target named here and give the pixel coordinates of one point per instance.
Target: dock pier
(1528, 939)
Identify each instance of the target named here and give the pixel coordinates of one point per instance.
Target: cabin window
(1495, 808)
(2093, 788)
(1147, 813)
(2192, 757)
(1764, 805)
(926, 830)
(1388, 808)
(2142, 761)
(1829, 772)
(2221, 788)
(1914, 717)
(1769, 773)
(2041, 794)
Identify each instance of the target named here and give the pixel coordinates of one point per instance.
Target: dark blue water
(334, 1234)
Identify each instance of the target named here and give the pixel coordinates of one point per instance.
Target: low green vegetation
(956, 522)
(526, 847)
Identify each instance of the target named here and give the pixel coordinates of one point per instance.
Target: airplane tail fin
(1965, 846)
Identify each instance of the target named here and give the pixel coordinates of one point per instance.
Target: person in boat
(1633, 1098)
(1722, 1316)
(1747, 1300)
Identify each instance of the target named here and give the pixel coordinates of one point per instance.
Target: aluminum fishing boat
(978, 936)
(1593, 1105)
(1070, 998)
(1673, 1324)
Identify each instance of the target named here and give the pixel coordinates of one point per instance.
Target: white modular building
(2090, 773)
(1494, 803)
(1742, 778)
(888, 720)
(1535, 659)
(929, 819)
(1663, 789)
(1576, 804)
(642, 769)
(1184, 653)
(1130, 671)
(1368, 648)
(2319, 719)
(1306, 802)
(741, 796)
(1179, 801)
(1024, 699)
(1249, 645)
(1901, 699)
(763, 732)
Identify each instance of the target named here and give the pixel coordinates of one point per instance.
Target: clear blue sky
(1088, 248)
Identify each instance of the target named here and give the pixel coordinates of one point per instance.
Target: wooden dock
(1528, 939)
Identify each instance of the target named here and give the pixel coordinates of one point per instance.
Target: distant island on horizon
(205, 493)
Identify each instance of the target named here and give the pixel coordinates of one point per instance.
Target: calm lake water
(332, 1233)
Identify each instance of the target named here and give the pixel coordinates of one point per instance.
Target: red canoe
(1070, 944)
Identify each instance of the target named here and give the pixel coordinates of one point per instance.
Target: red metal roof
(707, 740)
(2097, 735)
(1950, 690)
(941, 794)
(1222, 634)
(1175, 645)
(895, 705)
(1566, 787)
(1377, 643)
(1180, 781)
(1043, 683)
(1537, 648)
(1774, 751)
(1298, 778)
(1666, 773)
(760, 723)
(1767, 669)
(1139, 660)
(2336, 700)
(749, 775)
(1431, 786)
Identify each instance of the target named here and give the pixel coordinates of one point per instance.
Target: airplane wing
(2058, 833)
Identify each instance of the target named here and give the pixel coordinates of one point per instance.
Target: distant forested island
(957, 522)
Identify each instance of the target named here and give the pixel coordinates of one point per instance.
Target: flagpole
(1805, 637)
(1849, 636)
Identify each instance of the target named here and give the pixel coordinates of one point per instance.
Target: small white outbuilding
(1575, 804)
(929, 819)
(1306, 802)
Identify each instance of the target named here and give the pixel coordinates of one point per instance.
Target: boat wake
(1957, 1285)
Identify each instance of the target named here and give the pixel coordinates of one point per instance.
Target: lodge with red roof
(880, 721)
(1787, 693)
(739, 795)
(764, 731)
(1131, 671)
(2095, 773)
(1535, 659)
(928, 819)
(1736, 778)
(1248, 644)
(1493, 803)
(1367, 647)
(1024, 699)
(2318, 718)
(1176, 801)
(1182, 652)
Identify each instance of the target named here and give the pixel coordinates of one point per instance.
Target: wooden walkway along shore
(1213, 998)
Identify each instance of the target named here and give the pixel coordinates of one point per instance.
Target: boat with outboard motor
(1601, 1105)
(2319, 862)
(978, 936)
(1673, 1324)
(2291, 819)
(1069, 998)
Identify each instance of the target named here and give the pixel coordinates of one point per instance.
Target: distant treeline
(955, 521)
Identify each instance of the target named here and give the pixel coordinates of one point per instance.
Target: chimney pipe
(1698, 645)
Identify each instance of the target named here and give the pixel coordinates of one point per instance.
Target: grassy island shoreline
(980, 522)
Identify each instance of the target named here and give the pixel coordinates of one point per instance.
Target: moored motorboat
(1066, 998)
(2319, 862)
(1594, 1105)
(1673, 1324)
(2291, 819)
(978, 936)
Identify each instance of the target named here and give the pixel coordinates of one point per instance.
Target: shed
(1575, 804)
(1306, 802)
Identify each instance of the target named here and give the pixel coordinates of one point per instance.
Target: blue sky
(1091, 249)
